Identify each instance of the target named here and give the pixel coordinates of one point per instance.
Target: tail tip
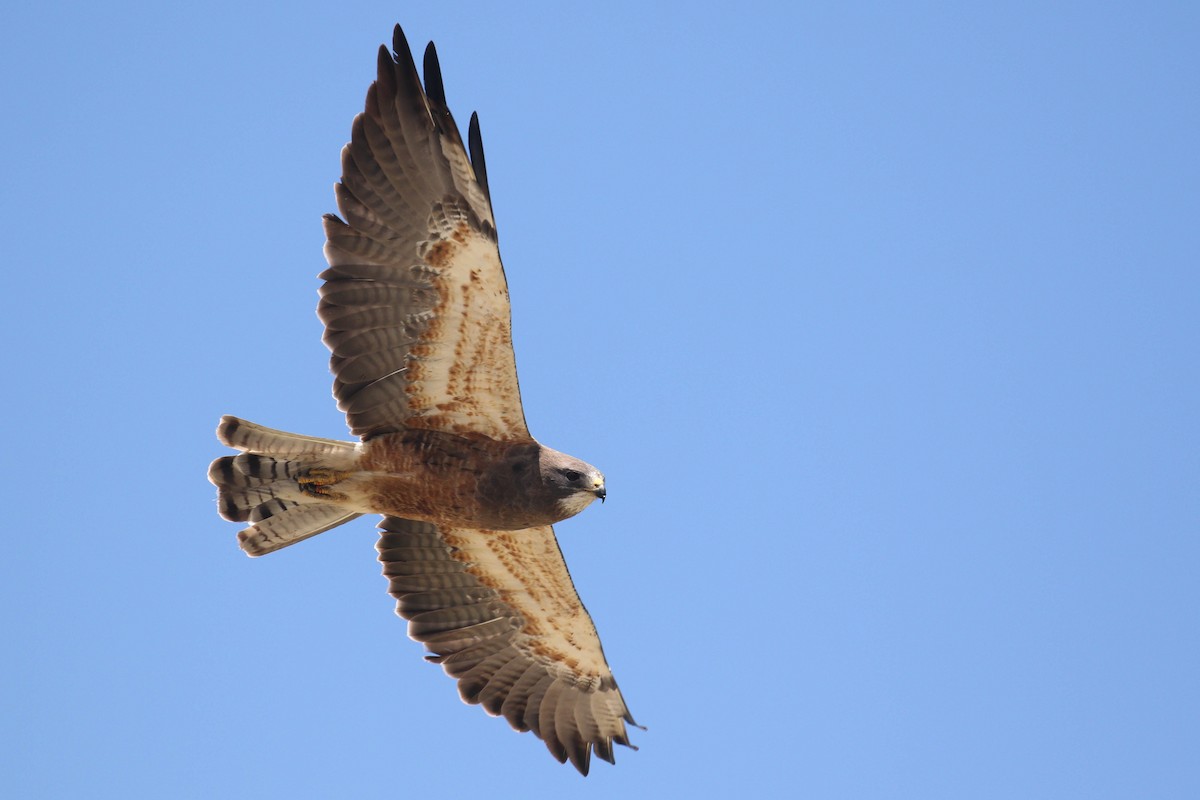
(221, 471)
(227, 428)
(251, 543)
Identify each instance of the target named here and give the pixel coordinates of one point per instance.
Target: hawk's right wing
(415, 303)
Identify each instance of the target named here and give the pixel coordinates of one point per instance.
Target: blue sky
(880, 318)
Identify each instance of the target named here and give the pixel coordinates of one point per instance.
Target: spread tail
(264, 484)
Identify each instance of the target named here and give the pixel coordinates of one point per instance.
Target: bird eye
(571, 475)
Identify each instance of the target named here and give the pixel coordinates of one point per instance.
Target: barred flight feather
(495, 652)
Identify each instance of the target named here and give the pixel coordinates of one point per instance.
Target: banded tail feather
(250, 437)
(260, 485)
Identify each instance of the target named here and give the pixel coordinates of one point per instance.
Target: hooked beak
(599, 492)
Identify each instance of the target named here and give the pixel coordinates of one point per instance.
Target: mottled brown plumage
(416, 314)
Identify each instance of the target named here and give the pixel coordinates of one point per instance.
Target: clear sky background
(882, 320)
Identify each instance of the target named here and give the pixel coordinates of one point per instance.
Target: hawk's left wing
(499, 612)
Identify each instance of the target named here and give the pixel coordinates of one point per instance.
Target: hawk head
(574, 484)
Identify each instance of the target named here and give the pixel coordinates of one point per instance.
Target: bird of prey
(416, 314)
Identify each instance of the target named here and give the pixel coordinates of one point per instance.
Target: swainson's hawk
(416, 313)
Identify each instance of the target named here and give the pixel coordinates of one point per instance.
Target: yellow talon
(318, 480)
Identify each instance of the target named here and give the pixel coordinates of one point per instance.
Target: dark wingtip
(435, 90)
(556, 748)
(604, 750)
(399, 43)
(628, 717)
(478, 163)
(581, 757)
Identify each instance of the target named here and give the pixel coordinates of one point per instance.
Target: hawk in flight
(416, 314)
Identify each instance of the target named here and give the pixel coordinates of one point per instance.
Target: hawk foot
(317, 482)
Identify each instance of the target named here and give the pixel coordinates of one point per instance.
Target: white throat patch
(578, 501)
